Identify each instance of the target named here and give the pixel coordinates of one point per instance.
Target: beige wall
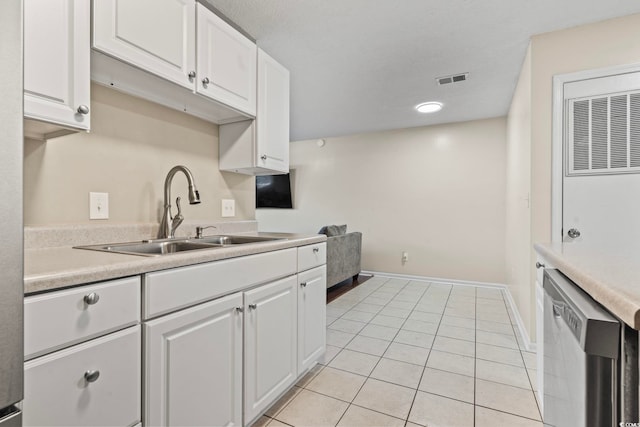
(603, 44)
(436, 192)
(518, 215)
(131, 147)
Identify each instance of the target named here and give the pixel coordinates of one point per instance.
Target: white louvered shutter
(603, 134)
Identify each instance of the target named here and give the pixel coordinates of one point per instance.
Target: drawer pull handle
(239, 309)
(253, 306)
(92, 376)
(91, 298)
(303, 284)
(539, 265)
(316, 250)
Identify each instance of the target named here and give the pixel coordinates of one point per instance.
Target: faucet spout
(167, 226)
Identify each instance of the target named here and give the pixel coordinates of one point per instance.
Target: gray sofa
(343, 253)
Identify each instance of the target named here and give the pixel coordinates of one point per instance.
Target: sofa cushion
(333, 230)
(336, 230)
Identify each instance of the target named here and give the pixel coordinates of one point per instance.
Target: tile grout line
(524, 362)
(369, 375)
(430, 352)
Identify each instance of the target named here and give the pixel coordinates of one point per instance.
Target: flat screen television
(273, 191)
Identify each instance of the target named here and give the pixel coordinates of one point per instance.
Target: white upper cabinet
(179, 41)
(261, 146)
(226, 63)
(56, 62)
(273, 114)
(157, 36)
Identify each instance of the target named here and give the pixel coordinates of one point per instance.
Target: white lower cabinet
(193, 371)
(96, 383)
(312, 308)
(541, 264)
(270, 347)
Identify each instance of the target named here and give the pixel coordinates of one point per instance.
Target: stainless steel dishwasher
(581, 350)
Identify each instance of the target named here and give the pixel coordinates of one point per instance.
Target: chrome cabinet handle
(205, 81)
(91, 299)
(573, 233)
(92, 376)
(303, 284)
(316, 250)
(253, 306)
(191, 75)
(83, 109)
(263, 157)
(539, 265)
(239, 309)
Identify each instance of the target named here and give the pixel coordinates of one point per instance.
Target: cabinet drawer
(58, 319)
(57, 392)
(312, 256)
(170, 290)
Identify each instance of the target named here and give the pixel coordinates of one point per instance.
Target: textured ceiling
(362, 65)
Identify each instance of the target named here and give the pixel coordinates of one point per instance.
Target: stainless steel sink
(151, 248)
(173, 246)
(234, 240)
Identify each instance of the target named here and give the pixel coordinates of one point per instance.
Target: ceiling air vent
(455, 78)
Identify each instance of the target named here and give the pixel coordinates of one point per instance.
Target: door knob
(83, 109)
(205, 81)
(192, 75)
(573, 233)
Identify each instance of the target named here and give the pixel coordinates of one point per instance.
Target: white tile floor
(410, 353)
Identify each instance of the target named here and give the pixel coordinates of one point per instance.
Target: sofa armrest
(343, 257)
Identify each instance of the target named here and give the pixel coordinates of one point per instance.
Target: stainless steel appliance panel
(581, 350)
(11, 257)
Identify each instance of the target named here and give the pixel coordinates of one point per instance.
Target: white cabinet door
(157, 36)
(96, 383)
(270, 344)
(226, 67)
(56, 62)
(261, 146)
(273, 114)
(193, 372)
(312, 303)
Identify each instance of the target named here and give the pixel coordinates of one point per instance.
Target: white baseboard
(522, 331)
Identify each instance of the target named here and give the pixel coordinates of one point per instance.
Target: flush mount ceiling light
(429, 107)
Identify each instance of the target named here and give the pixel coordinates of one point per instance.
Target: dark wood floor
(344, 287)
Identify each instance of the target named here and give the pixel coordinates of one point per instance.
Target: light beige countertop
(610, 275)
(58, 267)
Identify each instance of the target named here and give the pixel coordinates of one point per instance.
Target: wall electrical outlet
(405, 257)
(228, 208)
(98, 205)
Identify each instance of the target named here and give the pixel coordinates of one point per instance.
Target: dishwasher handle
(595, 329)
(558, 308)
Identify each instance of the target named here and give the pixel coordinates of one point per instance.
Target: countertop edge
(603, 291)
(103, 266)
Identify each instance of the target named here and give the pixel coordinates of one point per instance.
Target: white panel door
(273, 114)
(193, 369)
(312, 308)
(601, 179)
(226, 63)
(270, 344)
(56, 61)
(157, 36)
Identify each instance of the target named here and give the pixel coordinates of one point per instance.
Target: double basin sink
(172, 246)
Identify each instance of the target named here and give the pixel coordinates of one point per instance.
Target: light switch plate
(228, 208)
(98, 205)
